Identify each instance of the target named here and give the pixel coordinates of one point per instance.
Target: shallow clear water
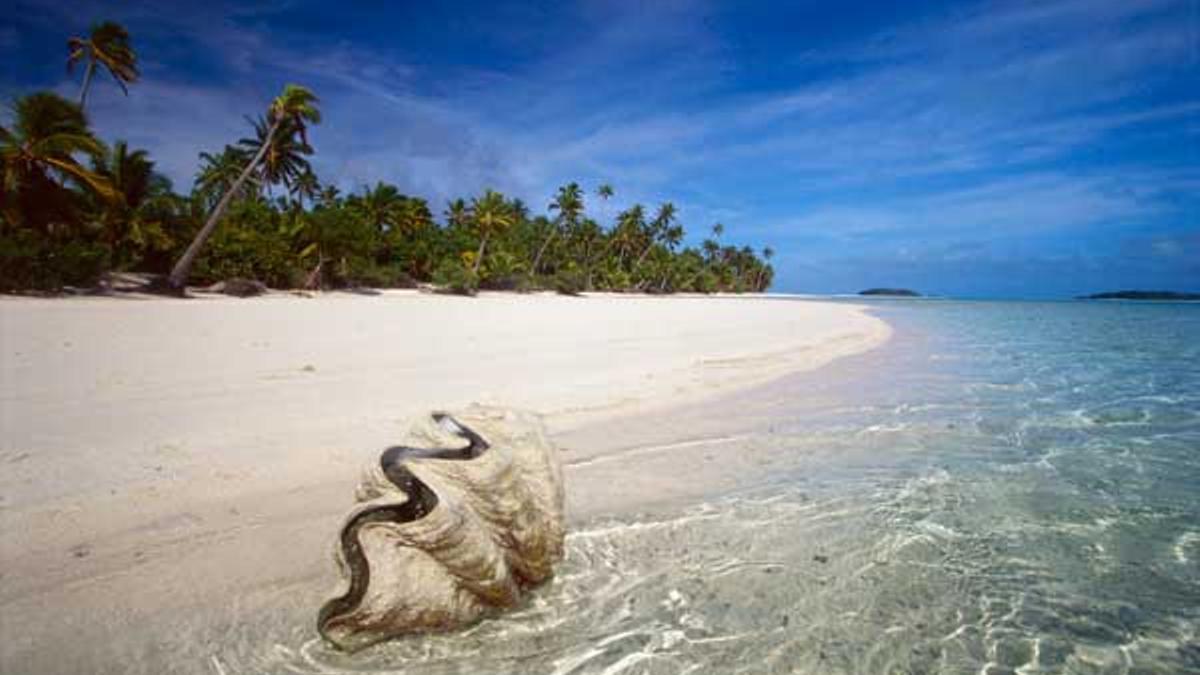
(1008, 487)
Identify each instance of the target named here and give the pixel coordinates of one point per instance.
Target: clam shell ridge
(455, 523)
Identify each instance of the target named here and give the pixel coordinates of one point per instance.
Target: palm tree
(663, 220)
(491, 216)
(306, 186)
(605, 193)
(218, 174)
(457, 213)
(673, 237)
(630, 224)
(743, 261)
(379, 206)
(138, 221)
(293, 109)
(108, 46)
(37, 154)
(412, 215)
(330, 196)
(284, 160)
(691, 267)
(569, 204)
(131, 174)
(588, 236)
(767, 254)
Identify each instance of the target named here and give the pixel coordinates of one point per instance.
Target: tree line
(75, 208)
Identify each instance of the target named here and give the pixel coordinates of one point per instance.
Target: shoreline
(96, 375)
(130, 437)
(179, 525)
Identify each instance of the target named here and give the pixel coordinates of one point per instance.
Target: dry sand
(162, 456)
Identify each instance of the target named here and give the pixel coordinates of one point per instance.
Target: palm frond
(99, 184)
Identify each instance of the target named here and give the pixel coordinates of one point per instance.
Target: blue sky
(980, 149)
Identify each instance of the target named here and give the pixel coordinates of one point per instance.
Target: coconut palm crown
(491, 216)
(109, 46)
(40, 149)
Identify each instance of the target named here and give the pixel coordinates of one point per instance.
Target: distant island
(899, 292)
(1141, 295)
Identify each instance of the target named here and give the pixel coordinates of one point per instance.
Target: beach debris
(456, 524)
(239, 287)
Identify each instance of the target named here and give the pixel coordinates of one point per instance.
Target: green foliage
(219, 172)
(570, 281)
(73, 208)
(40, 166)
(29, 262)
(371, 275)
(505, 271)
(491, 216)
(250, 247)
(285, 159)
(452, 276)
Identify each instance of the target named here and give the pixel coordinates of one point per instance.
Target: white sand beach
(169, 454)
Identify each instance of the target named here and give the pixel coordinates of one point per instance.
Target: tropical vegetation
(74, 208)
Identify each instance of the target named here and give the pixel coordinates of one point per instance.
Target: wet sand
(168, 459)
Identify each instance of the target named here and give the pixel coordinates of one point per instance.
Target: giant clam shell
(456, 523)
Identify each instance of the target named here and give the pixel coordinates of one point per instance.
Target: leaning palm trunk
(179, 273)
(87, 83)
(612, 240)
(537, 259)
(622, 254)
(643, 255)
(479, 255)
(313, 281)
(647, 280)
(590, 261)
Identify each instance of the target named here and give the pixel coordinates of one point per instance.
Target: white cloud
(176, 121)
